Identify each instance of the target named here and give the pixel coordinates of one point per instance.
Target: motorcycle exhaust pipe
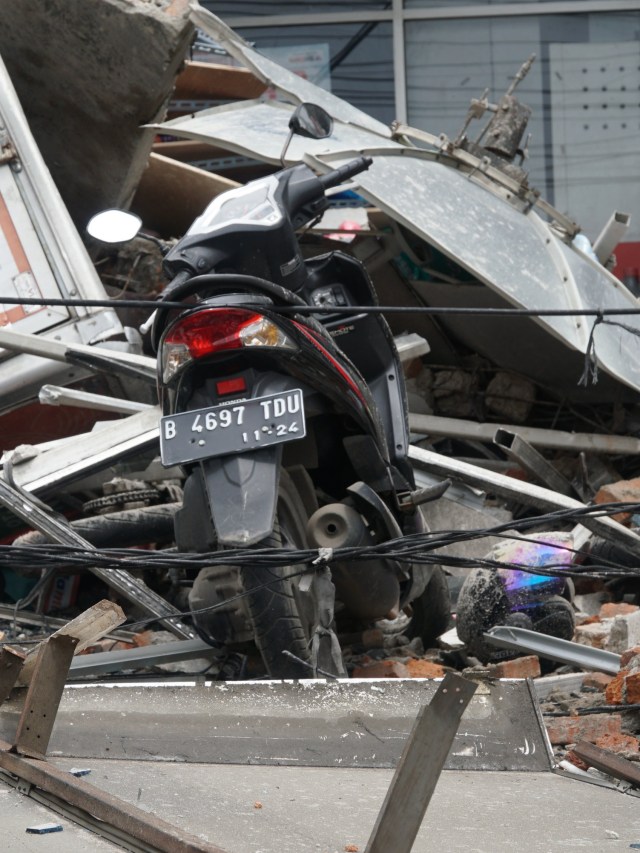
(368, 589)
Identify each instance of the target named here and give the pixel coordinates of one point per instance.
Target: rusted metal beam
(139, 824)
(44, 695)
(87, 628)
(420, 766)
(11, 662)
(608, 762)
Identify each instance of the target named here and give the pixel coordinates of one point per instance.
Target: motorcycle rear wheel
(276, 611)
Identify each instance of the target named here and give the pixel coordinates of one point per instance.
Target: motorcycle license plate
(232, 428)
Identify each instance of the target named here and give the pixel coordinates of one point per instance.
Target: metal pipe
(554, 648)
(534, 463)
(612, 234)
(523, 493)
(579, 442)
(54, 395)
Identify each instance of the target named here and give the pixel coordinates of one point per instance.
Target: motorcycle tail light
(213, 330)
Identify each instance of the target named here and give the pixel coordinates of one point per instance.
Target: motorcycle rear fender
(240, 492)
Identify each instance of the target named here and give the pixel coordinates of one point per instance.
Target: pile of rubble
(515, 442)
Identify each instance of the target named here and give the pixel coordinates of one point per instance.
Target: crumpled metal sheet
(258, 129)
(290, 86)
(516, 254)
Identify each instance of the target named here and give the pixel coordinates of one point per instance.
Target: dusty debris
(521, 667)
(616, 632)
(596, 681)
(470, 386)
(89, 626)
(381, 669)
(510, 396)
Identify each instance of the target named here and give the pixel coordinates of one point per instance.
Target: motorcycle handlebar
(339, 176)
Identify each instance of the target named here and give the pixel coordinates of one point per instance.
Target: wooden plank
(608, 762)
(200, 81)
(171, 194)
(420, 766)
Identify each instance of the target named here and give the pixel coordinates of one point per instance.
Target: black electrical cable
(334, 309)
(418, 547)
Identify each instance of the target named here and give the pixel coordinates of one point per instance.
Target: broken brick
(578, 762)
(627, 656)
(597, 681)
(562, 730)
(622, 491)
(617, 608)
(142, 638)
(619, 743)
(524, 667)
(632, 684)
(594, 634)
(424, 669)
(614, 692)
(382, 669)
(586, 620)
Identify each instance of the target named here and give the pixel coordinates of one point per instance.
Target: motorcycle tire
(555, 617)
(275, 610)
(123, 529)
(431, 610)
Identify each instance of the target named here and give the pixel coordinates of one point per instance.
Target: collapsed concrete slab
(89, 73)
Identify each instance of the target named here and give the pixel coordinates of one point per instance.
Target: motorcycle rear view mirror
(114, 226)
(308, 120)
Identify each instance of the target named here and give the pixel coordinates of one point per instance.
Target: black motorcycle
(290, 425)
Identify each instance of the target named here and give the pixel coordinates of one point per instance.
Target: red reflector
(231, 386)
(210, 330)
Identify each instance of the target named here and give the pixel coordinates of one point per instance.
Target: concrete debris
(510, 396)
(89, 74)
(616, 628)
